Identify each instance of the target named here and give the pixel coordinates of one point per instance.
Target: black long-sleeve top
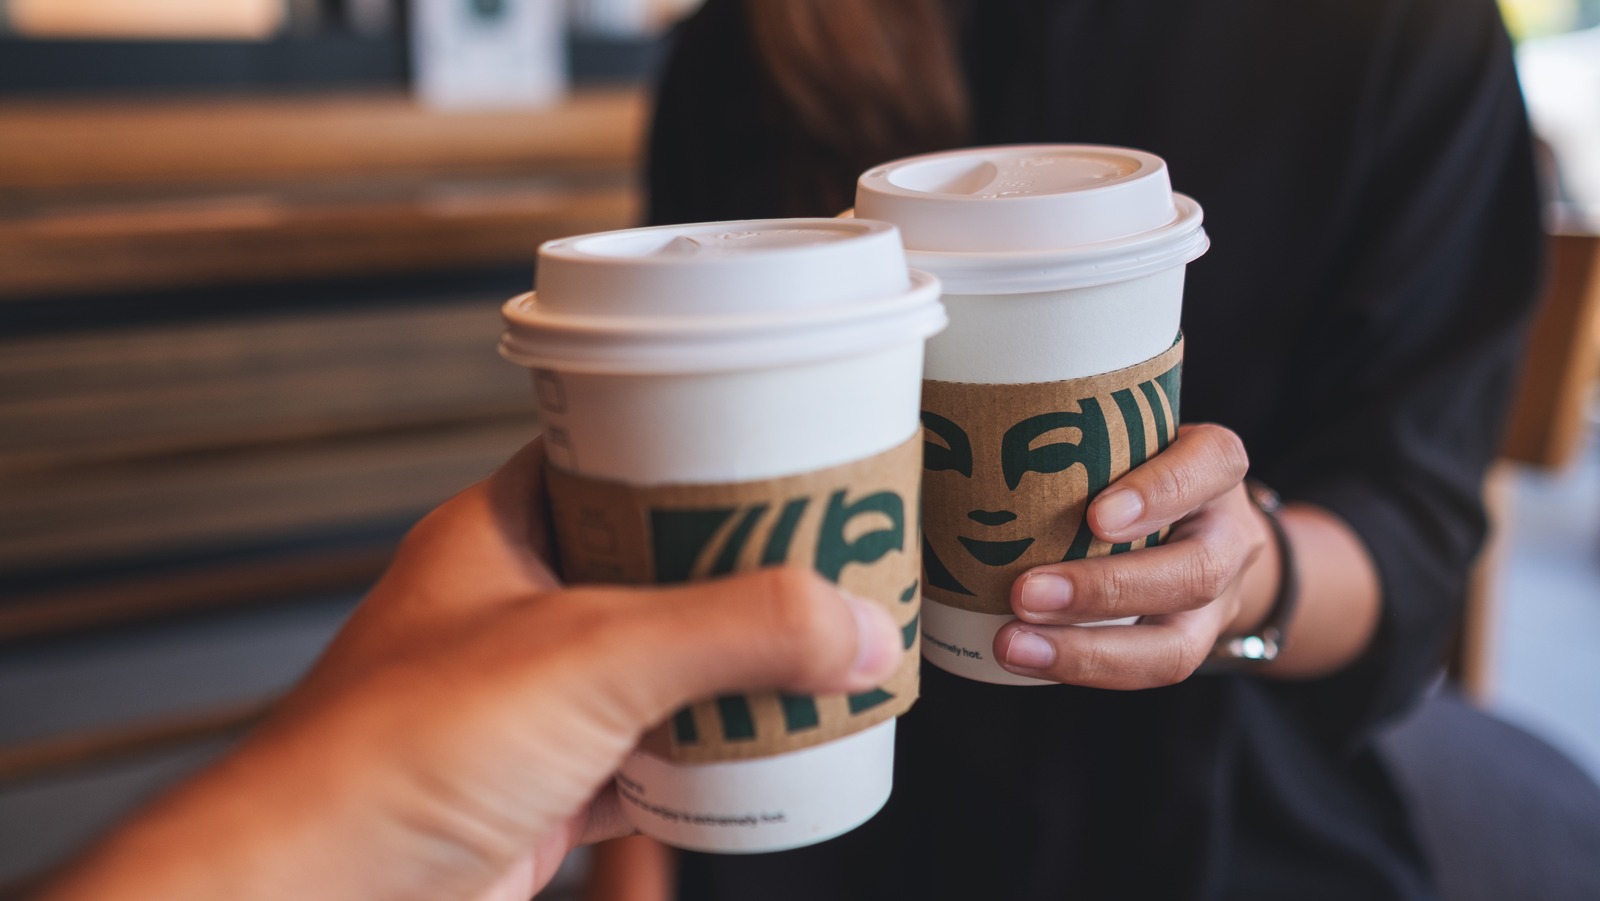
(1367, 179)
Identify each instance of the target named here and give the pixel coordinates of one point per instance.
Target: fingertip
(1114, 511)
(522, 474)
(1040, 595)
(1233, 449)
(785, 628)
(878, 642)
(1025, 650)
(1224, 448)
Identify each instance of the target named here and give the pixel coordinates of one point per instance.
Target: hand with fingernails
(1213, 576)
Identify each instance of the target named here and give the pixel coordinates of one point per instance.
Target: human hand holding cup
(1197, 586)
(721, 397)
(1062, 270)
(457, 738)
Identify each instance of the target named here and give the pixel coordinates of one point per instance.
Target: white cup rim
(1180, 242)
(638, 345)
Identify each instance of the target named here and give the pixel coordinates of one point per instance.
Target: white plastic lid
(1016, 219)
(719, 296)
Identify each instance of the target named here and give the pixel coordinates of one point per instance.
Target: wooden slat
(252, 140)
(101, 749)
(95, 396)
(105, 745)
(191, 589)
(109, 747)
(1472, 651)
(58, 517)
(1548, 422)
(228, 240)
(169, 19)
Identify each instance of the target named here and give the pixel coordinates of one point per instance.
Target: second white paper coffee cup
(720, 353)
(1057, 262)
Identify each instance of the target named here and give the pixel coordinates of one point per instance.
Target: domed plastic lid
(1034, 217)
(718, 296)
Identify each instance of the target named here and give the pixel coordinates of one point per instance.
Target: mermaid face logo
(1057, 455)
(1000, 500)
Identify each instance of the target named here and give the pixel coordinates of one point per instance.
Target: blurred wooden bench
(247, 422)
(244, 341)
(260, 444)
(153, 194)
(1548, 423)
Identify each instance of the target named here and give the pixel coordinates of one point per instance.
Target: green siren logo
(1009, 471)
(856, 524)
(693, 544)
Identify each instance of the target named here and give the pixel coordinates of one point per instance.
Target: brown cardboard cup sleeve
(856, 524)
(1009, 471)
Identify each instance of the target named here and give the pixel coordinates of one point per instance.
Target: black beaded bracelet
(1267, 642)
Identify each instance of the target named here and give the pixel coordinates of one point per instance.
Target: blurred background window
(1558, 58)
(236, 19)
(1538, 18)
(122, 46)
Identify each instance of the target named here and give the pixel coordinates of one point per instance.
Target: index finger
(491, 540)
(1203, 463)
(485, 547)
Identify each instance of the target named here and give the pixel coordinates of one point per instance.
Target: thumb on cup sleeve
(784, 628)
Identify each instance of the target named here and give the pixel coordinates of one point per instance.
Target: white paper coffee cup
(1058, 262)
(719, 353)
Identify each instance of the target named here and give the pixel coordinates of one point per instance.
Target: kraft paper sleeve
(1010, 469)
(856, 524)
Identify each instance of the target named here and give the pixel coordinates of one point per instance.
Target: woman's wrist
(1260, 581)
(1339, 596)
